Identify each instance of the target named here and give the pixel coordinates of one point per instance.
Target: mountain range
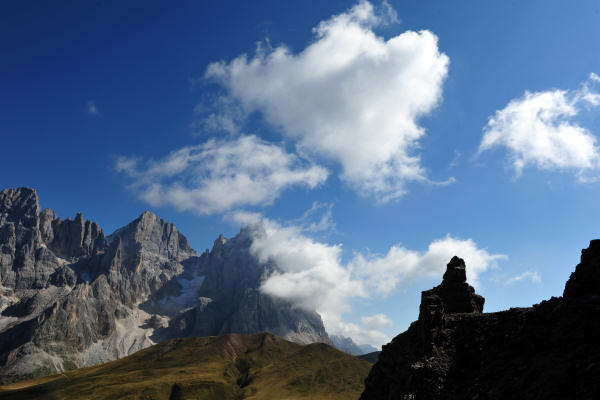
(71, 297)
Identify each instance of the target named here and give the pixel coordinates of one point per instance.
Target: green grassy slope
(261, 366)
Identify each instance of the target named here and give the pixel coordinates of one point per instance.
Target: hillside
(233, 366)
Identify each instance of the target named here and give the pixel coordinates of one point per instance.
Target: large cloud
(377, 321)
(220, 175)
(350, 96)
(539, 129)
(400, 266)
(313, 275)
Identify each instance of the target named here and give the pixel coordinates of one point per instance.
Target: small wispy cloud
(377, 321)
(220, 175)
(363, 333)
(222, 115)
(384, 273)
(455, 160)
(532, 276)
(319, 218)
(92, 109)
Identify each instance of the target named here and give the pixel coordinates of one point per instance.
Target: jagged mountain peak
(72, 237)
(147, 220)
(231, 299)
(71, 297)
(19, 205)
(152, 234)
(238, 243)
(219, 241)
(20, 193)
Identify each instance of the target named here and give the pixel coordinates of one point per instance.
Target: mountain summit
(71, 296)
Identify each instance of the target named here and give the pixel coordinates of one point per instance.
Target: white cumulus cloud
(377, 321)
(361, 333)
(539, 130)
(384, 273)
(313, 276)
(220, 175)
(350, 96)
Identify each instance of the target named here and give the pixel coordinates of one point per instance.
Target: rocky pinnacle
(454, 294)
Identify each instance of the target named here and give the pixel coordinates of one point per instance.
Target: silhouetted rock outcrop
(585, 280)
(454, 294)
(453, 351)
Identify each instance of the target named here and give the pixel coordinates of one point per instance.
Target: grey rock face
(230, 299)
(19, 206)
(347, 345)
(71, 297)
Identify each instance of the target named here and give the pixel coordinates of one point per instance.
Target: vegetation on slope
(234, 366)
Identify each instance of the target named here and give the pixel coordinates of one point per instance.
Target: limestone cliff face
(232, 302)
(71, 297)
(454, 351)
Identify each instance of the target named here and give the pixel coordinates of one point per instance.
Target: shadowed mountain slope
(453, 351)
(233, 366)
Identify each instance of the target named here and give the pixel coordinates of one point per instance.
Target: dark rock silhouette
(453, 351)
(454, 294)
(586, 278)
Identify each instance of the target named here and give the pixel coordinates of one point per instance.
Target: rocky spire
(219, 242)
(72, 237)
(586, 278)
(150, 234)
(454, 294)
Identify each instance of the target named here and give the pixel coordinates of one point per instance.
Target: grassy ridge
(261, 366)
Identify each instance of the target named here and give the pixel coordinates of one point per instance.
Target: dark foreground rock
(453, 351)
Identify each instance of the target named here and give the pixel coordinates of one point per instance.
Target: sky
(365, 143)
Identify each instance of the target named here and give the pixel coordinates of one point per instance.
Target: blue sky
(409, 130)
